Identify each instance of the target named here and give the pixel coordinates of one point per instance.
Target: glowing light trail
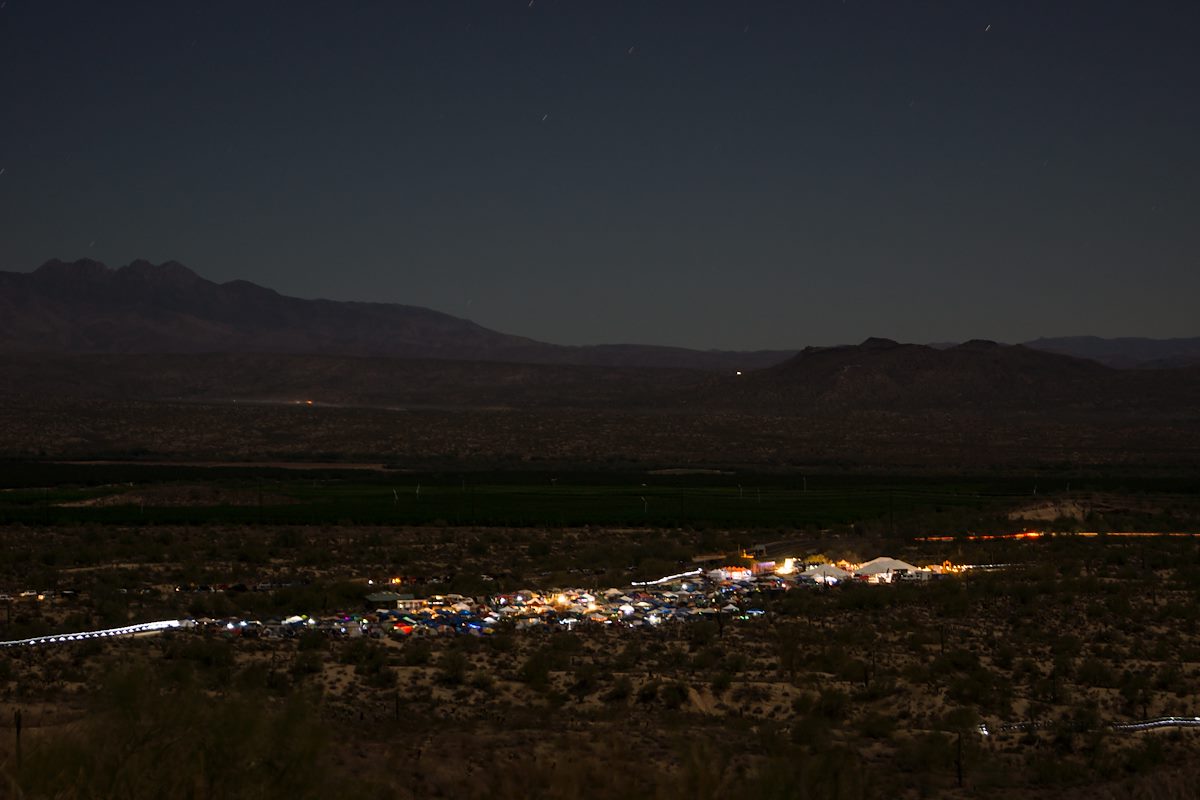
(125, 630)
(668, 578)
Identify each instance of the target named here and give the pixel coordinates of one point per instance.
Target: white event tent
(826, 573)
(884, 567)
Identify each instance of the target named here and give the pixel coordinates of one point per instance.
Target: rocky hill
(977, 376)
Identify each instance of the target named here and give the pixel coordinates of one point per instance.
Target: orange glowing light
(991, 536)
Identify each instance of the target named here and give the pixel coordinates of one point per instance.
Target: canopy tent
(878, 566)
(826, 573)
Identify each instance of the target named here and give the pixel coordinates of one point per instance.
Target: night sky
(707, 174)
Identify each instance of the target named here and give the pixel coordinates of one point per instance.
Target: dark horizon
(1105, 348)
(697, 174)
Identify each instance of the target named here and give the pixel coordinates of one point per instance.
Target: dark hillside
(978, 376)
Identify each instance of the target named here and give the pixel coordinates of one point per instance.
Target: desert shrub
(586, 681)
(1141, 759)
(961, 718)
(751, 693)
(648, 692)
(416, 653)
(836, 772)
(564, 643)
(804, 703)
(1093, 672)
(833, 704)
(313, 640)
(629, 657)
(673, 695)
(877, 726)
(209, 654)
(984, 689)
(620, 691)
(929, 752)
(130, 745)
(673, 658)
(370, 662)
(535, 671)
(503, 640)
(701, 633)
(307, 662)
(811, 731)
(452, 668)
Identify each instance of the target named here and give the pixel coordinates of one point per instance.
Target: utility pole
(17, 727)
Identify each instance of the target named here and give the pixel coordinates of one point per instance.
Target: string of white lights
(124, 630)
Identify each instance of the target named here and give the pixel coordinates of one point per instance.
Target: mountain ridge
(87, 307)
(1126, 351)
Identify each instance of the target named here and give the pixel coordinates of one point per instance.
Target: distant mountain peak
(81, 268)
(980, 344)
(166, 272)
(878, 343)
(87, 268)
